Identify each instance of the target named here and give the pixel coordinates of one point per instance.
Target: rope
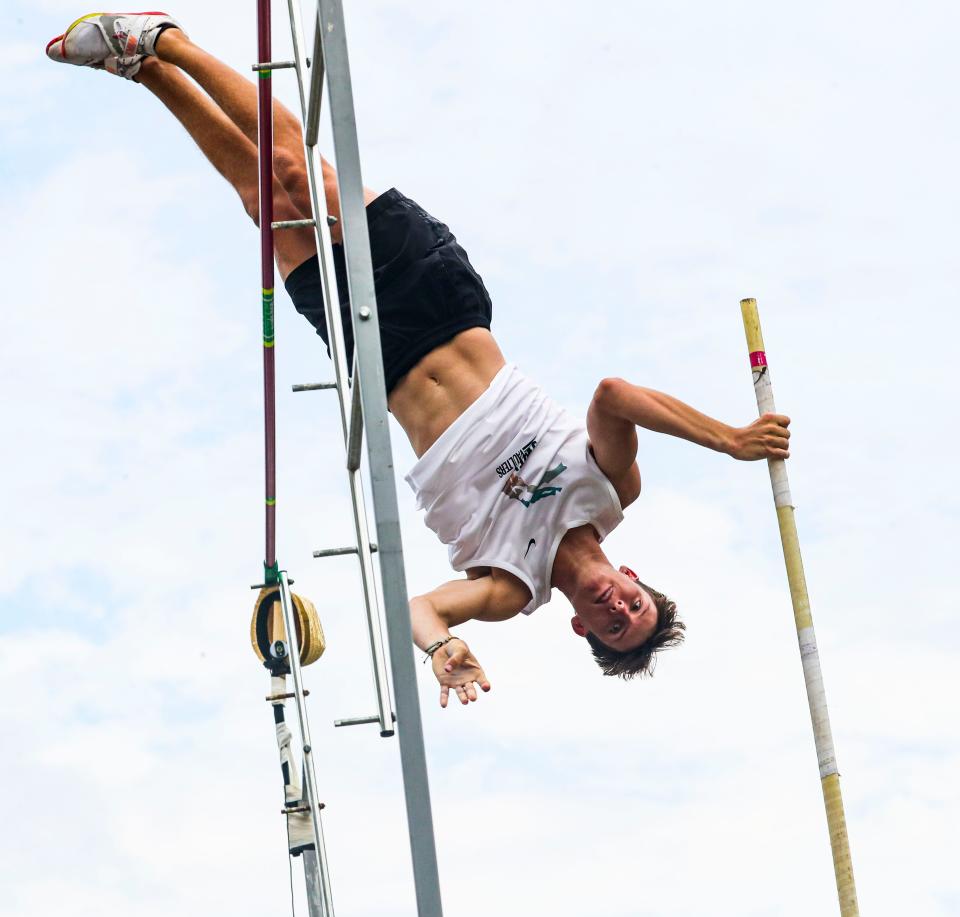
(293, 902)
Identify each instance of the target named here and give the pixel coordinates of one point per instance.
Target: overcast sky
(621, 175)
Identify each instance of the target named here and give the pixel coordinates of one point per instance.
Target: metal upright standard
(285, 630)
(816, 696)
(363, 415)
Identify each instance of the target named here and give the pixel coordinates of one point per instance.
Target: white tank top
(508, 479)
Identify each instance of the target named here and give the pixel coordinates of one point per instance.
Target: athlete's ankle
(151, 70)
(167, 39)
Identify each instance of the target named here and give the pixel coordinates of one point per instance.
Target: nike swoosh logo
(533, 544)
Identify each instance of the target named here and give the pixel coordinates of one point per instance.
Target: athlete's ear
(626, 571)
(577, 626)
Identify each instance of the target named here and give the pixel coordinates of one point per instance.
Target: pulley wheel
(266, 626)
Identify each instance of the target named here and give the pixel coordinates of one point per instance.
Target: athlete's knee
(291, 171)
(250, 198)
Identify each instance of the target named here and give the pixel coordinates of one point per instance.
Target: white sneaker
(127, 67)
(116, 42)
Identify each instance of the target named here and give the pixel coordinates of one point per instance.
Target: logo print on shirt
(515, 462)
(532, 544)
(515, 486)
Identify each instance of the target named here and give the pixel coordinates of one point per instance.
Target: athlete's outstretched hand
(766, 437)
(457, 670)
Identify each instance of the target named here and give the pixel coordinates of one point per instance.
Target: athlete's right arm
(618, 406)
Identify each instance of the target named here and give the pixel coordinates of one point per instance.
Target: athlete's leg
(232, 154)
(237, 97)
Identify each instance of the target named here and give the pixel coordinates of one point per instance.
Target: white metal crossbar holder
(332, 49)
(330, 57)
(314, 386)
(311, 115)
(309, 776)
(331, 305)
(355, 434)
(274, 65)
(336, 552)
(291, 224)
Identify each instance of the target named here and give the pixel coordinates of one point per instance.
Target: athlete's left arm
(618, 407)
(497, 596)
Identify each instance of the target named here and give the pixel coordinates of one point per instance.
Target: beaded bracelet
(430, 650)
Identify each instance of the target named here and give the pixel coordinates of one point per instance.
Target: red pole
(265, 113)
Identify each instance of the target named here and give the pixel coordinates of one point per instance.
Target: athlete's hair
(641, 659)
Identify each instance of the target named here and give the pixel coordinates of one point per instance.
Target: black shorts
(427, 290)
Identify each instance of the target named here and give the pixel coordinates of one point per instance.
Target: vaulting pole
(816, 695)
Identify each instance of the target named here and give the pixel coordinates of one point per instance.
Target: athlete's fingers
(456, 657)
(471, 691)
(462, 694)
(444, 695)
(780, 419)
(780, 453)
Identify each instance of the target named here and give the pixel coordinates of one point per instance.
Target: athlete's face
(612, 606)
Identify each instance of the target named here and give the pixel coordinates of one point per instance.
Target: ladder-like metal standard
(363, 409)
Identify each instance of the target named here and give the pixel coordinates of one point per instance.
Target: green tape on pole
(264, 74)
(271, 574)
(268, 318)
(271, 501)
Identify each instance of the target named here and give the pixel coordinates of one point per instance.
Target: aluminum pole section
(310, 109)
(813, 678)
(309, 775)
(265, 149)
(312, 877)
(369, 370)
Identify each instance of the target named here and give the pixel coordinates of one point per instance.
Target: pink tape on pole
(758, 358)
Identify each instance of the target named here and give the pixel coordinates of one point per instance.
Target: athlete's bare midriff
(443, 385)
